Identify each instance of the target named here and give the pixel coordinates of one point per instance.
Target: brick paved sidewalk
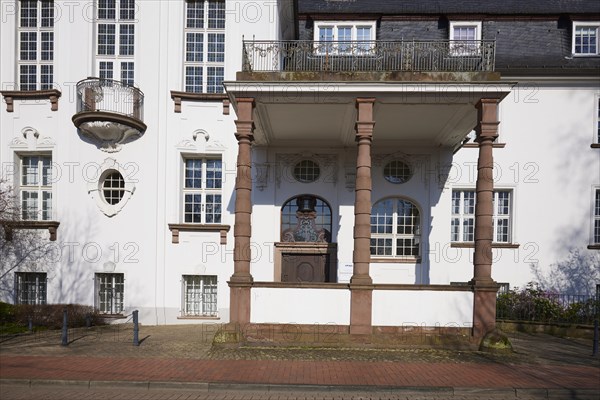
(183, 354)
(285, 372)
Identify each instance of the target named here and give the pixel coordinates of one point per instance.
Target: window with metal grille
(395, 228)
(115, 27)
(202, 183)
(110, 290)
(36, 187)
(35, 36)
(463, 216)
(30, 288)
(204, 62)
(199, 296)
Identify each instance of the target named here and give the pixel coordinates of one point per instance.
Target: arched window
(306, 205)
(395, 228)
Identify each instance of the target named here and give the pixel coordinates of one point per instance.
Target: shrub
(534, 304)
(49, 316)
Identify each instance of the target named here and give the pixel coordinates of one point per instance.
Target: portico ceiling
(408, 114)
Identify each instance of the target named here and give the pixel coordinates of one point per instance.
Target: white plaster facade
(547, 124)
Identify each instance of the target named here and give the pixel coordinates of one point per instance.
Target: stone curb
(542, 393)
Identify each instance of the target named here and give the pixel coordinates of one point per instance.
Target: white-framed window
(35, 187)
(465, 37)
(202, 184)
(585, 38)
(395, 228)
(199, 296)
(344, 37)
(596, 219)
(110, 290)
(115, 40)
(30, 288)
(204, 59)
(35, 37)
(463, 216)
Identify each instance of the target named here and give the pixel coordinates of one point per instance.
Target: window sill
(595, 145)
(476, 145)
(176, 228)
(397, 260)
(178, 97)
(198, 317)
(9, 226)
(471, 245)
(594, 246)
(11, 95)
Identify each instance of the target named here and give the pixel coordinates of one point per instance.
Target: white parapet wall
(300, 306)
(422, 308)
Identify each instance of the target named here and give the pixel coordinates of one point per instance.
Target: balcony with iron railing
(110, 112)
(404, 56)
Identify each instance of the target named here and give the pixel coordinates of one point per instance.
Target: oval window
(306, 171)
(113, 187)
(397, 172)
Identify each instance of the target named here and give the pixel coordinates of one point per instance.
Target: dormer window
(465, 38)
(344, 37)
(585, 38)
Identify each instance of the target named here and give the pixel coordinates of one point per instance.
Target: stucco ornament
(97, 189)
(109, 136)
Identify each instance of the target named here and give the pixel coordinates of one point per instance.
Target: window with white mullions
(30, 288)
(344, 37)
(585, 38)
(110, 290)
(395, 229)
(115, 50)
(35, 36)
(36, 188)
(463, 216)
(202, 200)
(199, 296)
(204, 46)
(465, 38)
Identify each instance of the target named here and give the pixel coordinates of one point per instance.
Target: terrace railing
(95, 94)
(349, 56)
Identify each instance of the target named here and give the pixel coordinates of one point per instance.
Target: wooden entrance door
(305, 267)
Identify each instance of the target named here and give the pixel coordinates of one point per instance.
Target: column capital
(487, 120)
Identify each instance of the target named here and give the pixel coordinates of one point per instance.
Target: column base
(361, 309)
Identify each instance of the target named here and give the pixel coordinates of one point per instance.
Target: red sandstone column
(241, 280)
(361, 283)
(484, 307)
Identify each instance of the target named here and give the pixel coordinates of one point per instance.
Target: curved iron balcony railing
(349, 56)
(110, 112)
(107, 95)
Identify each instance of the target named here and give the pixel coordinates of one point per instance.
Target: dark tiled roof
(507, 7)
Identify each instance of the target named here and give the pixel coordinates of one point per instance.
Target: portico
(276, 115)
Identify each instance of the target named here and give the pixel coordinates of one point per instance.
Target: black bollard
(30, 323)
(65, 327)
(136, 329)
(88, 320)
